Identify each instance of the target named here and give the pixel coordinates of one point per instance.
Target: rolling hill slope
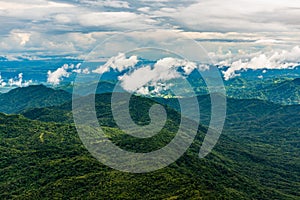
(260, 139)
(47, 160)
(35, 96)
(257, 157)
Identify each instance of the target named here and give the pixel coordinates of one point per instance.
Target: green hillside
(47, 161)
(35, 96)
(257, 156)
(281, 91)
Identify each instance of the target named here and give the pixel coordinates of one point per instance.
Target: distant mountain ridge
(286, 92)
(242, 110)
(34, 96)
(279, 91)
(296, 81)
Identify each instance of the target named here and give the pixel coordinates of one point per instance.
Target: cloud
(15, 82)
(105, 18)
(65, 71)
(151, 1)
(57, 76)
(81, 71)
(21, 5)
(238, 15)
(139, 80)
(242, 17)
(267, 41)
(39, 45)
(86, 71)
(23, 37)
(17, 39)
(107, 3)
(2, 82)
(72, 28)
(116, 20)
(34, 10)
(144, 9)
(163, 70)
(118, 63)
(275, 60)
(74, 16)
(50, 27)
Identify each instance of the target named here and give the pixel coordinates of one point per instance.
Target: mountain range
(280, 91)
(257, 156)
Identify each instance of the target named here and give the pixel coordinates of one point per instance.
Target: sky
(237, 33)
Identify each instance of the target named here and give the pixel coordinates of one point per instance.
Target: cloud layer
(60, 27)
(239, 34)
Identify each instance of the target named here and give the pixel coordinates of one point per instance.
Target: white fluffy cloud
(15, 82)
(158, 75)
(81, 71)
(118, 63)
(65, 71)
(272, 60)
(57, 76)
(139, 79)
(2, 82)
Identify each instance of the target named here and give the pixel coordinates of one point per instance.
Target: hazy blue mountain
(285, 91)
(247, 85)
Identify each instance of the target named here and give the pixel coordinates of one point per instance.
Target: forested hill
(48, 161)
(35, 96)
(257, 156)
